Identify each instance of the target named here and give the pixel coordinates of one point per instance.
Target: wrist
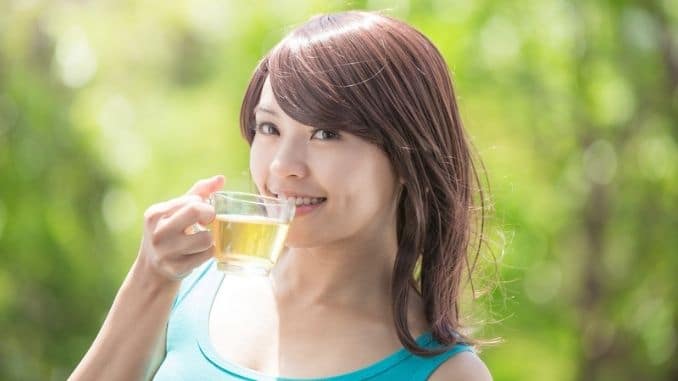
(150, 280)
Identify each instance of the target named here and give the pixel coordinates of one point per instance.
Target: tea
(247, 243)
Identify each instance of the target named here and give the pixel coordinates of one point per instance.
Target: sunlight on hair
(295, 43)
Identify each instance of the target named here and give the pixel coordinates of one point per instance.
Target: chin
(292, 243)
(297, 239)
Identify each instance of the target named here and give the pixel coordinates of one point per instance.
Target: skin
(129, 343)
(334, 279)
(334, 251)
(331, 283)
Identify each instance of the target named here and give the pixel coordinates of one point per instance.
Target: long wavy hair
(382, 80)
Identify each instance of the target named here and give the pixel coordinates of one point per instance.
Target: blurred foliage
(109, 106)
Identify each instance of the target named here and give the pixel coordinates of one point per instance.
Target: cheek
(374, 186)
(259, 163)
(363, 183)
(369, 193)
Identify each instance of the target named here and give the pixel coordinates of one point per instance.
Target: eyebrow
(259, 108)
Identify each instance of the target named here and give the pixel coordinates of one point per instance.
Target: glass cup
(249, 231)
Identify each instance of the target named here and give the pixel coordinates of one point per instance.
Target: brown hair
(382, 80)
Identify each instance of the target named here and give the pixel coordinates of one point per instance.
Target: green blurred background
(109, 106)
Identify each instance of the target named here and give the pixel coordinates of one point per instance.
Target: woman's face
(344, 187)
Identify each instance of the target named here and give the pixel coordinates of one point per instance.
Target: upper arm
(465, 366)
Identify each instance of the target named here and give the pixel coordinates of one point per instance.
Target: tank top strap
(190, 281)
(421, 368)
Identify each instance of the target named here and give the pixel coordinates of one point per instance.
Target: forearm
(124, 346)
(135, 325)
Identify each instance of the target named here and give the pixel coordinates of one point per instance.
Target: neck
(342, 274)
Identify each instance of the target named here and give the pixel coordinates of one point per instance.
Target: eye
(325, 135)
(266, 128)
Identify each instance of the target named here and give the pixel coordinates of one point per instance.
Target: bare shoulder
(465, 366)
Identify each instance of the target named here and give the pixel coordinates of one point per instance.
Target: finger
(162, 209)
(197, 258)
(191, 244)
(192, 261)
(189, 214)
(204, 187)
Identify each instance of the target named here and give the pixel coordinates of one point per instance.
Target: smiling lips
(304, 200)
(304, 204)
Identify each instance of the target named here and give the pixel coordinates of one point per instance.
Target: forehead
(267, 98)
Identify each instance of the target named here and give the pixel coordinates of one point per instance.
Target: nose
(289, 161)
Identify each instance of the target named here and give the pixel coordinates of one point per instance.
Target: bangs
(320, 76)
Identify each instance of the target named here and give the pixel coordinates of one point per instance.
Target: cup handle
(197, 228)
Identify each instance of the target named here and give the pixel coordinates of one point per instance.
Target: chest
(248, 328)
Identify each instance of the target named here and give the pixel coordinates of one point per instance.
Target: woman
(354, 116)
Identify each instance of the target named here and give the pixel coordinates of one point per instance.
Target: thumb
(204, 187)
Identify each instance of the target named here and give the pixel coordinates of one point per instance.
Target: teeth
(302, 200)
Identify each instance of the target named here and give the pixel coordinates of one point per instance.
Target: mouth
(301, 200)
(304, 203)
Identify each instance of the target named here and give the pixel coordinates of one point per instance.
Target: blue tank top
(190, 355)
